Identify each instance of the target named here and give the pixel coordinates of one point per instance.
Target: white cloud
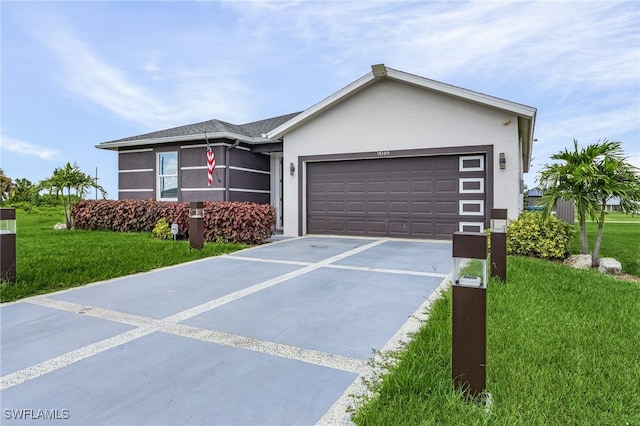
(185, 94)
(26, 149)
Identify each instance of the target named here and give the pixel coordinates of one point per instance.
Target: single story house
(391, 154)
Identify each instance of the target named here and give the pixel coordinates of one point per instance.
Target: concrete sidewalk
(273, 335)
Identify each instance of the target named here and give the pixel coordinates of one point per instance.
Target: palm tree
(70, 178)
(616, 178)
(588, 178)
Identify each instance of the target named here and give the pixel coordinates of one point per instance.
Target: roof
(526, 114)
(214, 129)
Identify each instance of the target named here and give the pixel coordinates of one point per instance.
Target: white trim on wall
(243, 169)
(200, 189)
(222, 166)
(135, 190)
(135, 171)
(258, 191)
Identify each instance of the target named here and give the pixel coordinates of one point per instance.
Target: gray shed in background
(563, 209)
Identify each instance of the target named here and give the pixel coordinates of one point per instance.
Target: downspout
(227, 169)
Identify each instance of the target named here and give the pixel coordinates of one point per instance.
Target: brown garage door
(416, 197)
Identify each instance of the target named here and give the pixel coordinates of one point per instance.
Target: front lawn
(562, 348)
(619, 240)
(49, 260)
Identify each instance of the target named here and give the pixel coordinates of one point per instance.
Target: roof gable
(215, 129)
(526, 114)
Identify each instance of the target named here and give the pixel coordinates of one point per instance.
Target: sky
(78, 73)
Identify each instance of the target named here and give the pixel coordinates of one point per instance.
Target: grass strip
(49, 260)
(619, 240)
(562, 348)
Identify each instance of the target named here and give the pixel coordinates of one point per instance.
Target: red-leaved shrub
(247, 223)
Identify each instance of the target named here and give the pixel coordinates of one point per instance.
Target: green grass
(49, 260)
(619, 240)
(621, 217)
(562, 348)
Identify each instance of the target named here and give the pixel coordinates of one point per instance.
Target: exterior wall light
(502, 161)
(292, 169)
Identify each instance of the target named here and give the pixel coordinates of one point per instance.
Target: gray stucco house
(391, 154)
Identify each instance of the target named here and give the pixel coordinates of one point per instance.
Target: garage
(404, 197)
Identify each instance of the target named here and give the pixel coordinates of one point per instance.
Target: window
(168, 176)
(472, 163)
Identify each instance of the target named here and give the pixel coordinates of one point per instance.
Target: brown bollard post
(8, 245)
(196, 224)
(469, 315)
(499, 244)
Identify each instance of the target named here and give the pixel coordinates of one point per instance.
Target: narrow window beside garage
(168, 176)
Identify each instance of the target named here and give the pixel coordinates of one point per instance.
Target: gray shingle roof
(254, 129)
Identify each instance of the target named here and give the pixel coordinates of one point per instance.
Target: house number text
(383, 153)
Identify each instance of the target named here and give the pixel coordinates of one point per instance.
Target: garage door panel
(336, 207)
(446, 208)
(418, 186)
(401, 197)
(376, 207)
(421, 207)
(447, 185)
(356, 207)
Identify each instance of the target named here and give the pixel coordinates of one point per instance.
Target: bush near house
(536, 236)
(247, 223)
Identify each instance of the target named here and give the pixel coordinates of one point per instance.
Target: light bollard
(469, 312)
(196, 224)
(8, 245)
(499, 244)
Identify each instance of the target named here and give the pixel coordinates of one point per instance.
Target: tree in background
(589, 177)
(69, 178)
(5, 185)
(23, 190)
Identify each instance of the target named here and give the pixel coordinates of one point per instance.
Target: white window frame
(159, 177)
(476, 202)
(471, 191)
(480, 226)
(462, 159)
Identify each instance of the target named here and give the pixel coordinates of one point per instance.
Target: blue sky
(75, 74)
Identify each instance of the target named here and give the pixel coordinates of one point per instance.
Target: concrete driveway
(273, 335)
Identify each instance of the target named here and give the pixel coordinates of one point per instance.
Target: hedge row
(246, 223)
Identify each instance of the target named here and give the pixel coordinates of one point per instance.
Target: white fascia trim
(133, 151)
(520, 109)
(324, 104)
(204, 145)
(184, 138)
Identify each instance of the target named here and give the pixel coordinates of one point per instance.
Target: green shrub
(532, 235)
(162, 230)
